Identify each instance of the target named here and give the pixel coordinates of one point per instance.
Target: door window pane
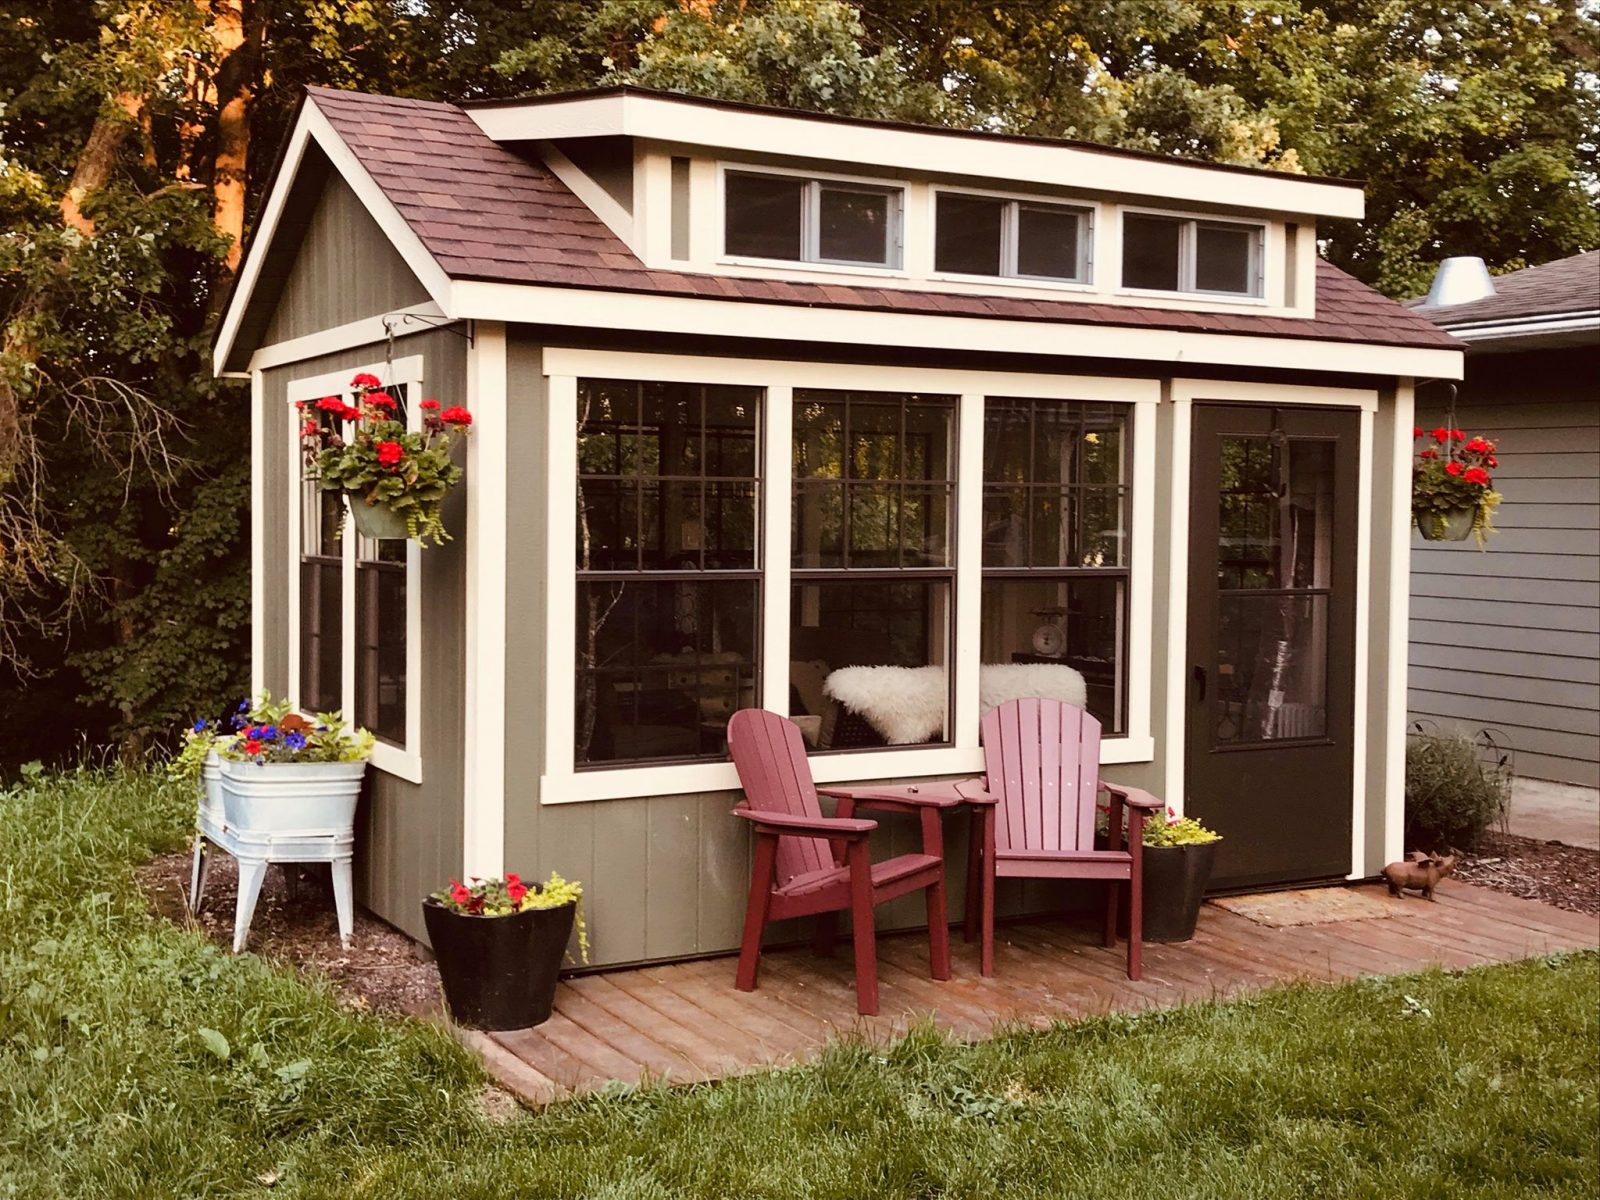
(1047, 242)
(763, 217)
(1271, 668)
(853, 226)
(1222, 259)
(1275, 513)
(1068, 629)
(967, 234)
(1150, 251)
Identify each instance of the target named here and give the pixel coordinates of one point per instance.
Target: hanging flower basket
(1452, 492)
(394, 479)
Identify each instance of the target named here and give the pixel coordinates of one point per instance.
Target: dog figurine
(1421, 872)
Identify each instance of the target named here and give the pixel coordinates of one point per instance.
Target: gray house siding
(408, 836)
(1510, 639)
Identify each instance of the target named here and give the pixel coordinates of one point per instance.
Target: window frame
(562, 367)
(1187, 251)
(1088, 213)
(403, 761)
(810, 222)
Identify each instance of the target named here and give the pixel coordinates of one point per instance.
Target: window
(794, 219)
(1021, 239)
(872, 567)
(357, 611)
(1181, 254)
(668, 565)
(1055, 552)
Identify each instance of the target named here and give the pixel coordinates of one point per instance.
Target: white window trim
(1185, 394)
(810, 228)
(1259, 263)
(404, 762)
(1089, 218)
(562, 783)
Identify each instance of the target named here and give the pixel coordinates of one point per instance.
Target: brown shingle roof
(1567, 285)
(485, 212)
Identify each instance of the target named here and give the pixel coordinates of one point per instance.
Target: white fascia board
(595, 309)
(313, 126)
(661, 119)
(1521, 327)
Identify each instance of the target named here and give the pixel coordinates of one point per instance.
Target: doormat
(1310, 906)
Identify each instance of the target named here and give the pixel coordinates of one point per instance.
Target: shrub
(1452, 794)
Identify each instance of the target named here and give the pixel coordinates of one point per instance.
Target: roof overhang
(747, 129)
(1550, 331)
(312, 130)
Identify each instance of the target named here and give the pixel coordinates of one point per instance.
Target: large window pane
(967, 234)
(854, 226)
(321, 627)
(764, 215)
(661, 666)
(381, 646)
(1150, 251)
(1222, 259)
(1069, 629)
(872, 630)
(1047, 242)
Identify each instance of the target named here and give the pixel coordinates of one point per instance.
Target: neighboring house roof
(485, 212)
(1568, 285)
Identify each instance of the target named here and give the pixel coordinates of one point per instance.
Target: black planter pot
(1175, 879)
(499, 972)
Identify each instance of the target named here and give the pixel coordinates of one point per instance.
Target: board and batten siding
(1509, 639)
(408, 836)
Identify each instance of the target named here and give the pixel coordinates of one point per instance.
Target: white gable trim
(313, 126)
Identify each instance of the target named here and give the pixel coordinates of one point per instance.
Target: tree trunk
(235, 90)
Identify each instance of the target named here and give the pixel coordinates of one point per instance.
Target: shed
(871, 424)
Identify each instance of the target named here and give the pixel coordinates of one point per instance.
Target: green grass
(1480, 1083)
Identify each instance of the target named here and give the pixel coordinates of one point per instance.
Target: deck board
(685, 1022)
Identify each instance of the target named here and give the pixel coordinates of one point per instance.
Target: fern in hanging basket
(1452, 490)
(383, 464)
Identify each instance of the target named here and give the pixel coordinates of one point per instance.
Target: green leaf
(214, 1042)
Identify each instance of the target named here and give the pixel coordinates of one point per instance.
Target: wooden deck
(685, 1022)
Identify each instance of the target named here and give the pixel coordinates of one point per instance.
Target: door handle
(1200, 682)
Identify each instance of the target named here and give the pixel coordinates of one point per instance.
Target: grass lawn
(137, 1060)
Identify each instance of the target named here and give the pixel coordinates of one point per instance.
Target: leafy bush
(1452, 794)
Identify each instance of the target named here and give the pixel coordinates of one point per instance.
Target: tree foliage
(135, 137)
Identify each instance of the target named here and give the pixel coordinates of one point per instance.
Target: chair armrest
(900, 797)
(1133, 797)
(973, 792)
(823, 827)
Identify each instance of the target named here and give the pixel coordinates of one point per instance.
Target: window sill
(820, 268)
(1211, 297)
(633, 783)
(1033, 282)
(392, 760)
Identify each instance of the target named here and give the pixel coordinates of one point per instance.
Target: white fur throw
(906, 704)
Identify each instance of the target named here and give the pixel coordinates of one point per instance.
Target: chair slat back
(770, 757)
(1042, 759)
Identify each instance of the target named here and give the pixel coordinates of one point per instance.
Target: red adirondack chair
(811, 865)
(1042, 778)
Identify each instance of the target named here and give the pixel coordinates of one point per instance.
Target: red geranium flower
(1453, 467)
(1493, 461)
(309, 429)
(1459, 435)
(390, 453)
(1441, 434)
(381, 399)
(428, 404)
(252, 747)
(330, 404)
(363, 380)
(1477, 475)
(459, 892)
(1429, 453)
(1416, 431)
(515, 888)
(456, 415)
(1478, 446)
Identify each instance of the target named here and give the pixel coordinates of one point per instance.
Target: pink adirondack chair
(1042, 779)
(811, 865)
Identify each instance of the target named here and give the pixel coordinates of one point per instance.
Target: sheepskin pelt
(907, 704)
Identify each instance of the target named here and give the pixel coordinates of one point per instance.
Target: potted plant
(500, 944)
(1179, 854)
(1452, 492)
(394, 479)
(286, 773)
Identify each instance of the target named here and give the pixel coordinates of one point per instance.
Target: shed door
(1271, 664)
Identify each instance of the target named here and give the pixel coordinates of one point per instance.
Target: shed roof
(1568, 285)
(485, 211)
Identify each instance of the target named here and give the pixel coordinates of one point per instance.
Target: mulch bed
(381, 969)
(1557, 874)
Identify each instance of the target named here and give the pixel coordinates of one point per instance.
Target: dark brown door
(1271, 668)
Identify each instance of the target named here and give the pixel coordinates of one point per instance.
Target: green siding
(409, 836)
(345, 269)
